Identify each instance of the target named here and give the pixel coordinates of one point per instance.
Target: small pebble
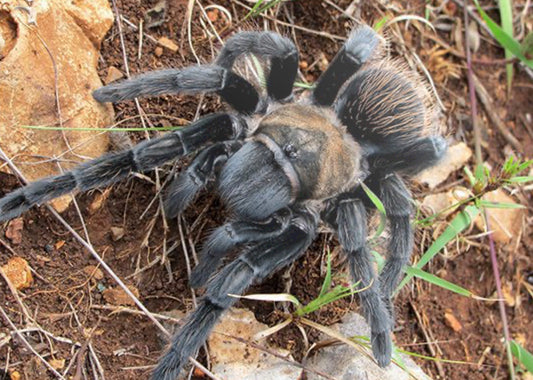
(117, 233)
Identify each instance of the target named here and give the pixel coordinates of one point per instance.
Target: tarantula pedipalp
(282, 168)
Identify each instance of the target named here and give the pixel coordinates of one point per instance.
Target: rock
(99, 200)
(117, 233)
(452, 321)
(19, 273)
(505, 223)
(113, 74)
(72, 32)
(156, 15)
(57, 364)
(343, 362)
(457, 156)
(231, 359)
(14, 230)
(444, 202)
(158, 51)
(169, 44)
(117, 296)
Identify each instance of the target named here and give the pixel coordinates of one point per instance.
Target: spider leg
(281, 51)
(112, 167)
(256, 262)
(347, 214)
(356, 51)
(230, 235)
(411, 160)
(398, 205)
(233, 88)
(185, 187)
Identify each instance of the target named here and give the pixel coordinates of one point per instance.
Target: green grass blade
(506, 15)
(435, 280)
(520, 179)
(379, 205)
(523, 355)
(502, 205)
(307, 86)
(333, 295)
(381, 23)
(458, 224)
(253, 10)
(503, 38)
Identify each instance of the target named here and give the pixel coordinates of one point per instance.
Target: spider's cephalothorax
(283, 167)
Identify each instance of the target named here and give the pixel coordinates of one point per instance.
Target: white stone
(505, 223)
(457, 156)
(344, 362)
(235, 360)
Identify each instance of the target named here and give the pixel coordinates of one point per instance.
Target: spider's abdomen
(383, 109)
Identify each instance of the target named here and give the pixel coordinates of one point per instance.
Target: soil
(67, 302)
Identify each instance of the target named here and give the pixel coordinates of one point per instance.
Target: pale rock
(18, 271)
(117, 296)
(94, 272)
(231, 359)
(113, 74)
(456, 158)
(169, 44)
(505, 223)
(344, 362)
(445, 203)
(117, 233)
(71, 33)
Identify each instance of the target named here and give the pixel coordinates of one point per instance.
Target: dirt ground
(67, 298)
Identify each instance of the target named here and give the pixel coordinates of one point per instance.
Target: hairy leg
(234, 89)
(113, 167)
(255, 263)
(348, 216)
(281, 51)
(359, 47)
(398, 203)
(202, 169)
(225, 238)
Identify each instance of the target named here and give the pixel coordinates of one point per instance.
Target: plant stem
(479, 161)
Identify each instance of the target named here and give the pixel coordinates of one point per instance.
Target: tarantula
(282, 168)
